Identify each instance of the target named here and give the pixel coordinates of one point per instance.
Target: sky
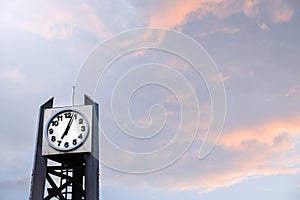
(253, 43)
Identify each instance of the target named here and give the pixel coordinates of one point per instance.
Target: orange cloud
(281, 12)
(175, 12)
(250, 7)
(264, 133)
(267, 149)
(283, 15)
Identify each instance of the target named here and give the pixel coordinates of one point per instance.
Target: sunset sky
(255, 45)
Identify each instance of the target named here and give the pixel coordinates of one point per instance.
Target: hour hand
(68, 127)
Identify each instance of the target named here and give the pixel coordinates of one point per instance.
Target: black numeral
(74, 142)
(80, 121)
(59, 142)
(75, 116)
(83, 128)
(53, 138)
(51, 131)
(66, 144)
(54, 123)
(80, 136)
(59, 118)
(68, 115)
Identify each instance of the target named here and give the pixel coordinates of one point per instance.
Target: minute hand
(68, 127)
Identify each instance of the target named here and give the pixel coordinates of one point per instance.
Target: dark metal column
(40, 163)
(77, 187)
(91, 160)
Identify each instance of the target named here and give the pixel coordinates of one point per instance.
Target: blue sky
(254, 43)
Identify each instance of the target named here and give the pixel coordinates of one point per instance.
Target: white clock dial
(67, 130)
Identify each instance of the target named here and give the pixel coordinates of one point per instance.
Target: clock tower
(66, 164)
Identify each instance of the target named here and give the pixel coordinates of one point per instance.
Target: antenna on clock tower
(73, 95)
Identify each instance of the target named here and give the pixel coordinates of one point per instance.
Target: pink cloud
(175, 13)
(264, 133)
(281, 11)
(250, 7)
(53, 21)
(178, 11)
(240, 155)
(284, 15)
(172, 13)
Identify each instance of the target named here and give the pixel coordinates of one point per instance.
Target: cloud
(281, 11)
(55, 21)
(282, 141)
(277, 11)
(177, 11)
(268, 149)
(14, 75)
(61, 21)
(220, 29)
(170, 14)
(283, 15)
(251, 8)
(263, 26)
(294, 91)
(264, 133)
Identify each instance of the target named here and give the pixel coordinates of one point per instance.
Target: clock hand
(68, 127)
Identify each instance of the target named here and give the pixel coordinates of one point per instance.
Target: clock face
(67, 130)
